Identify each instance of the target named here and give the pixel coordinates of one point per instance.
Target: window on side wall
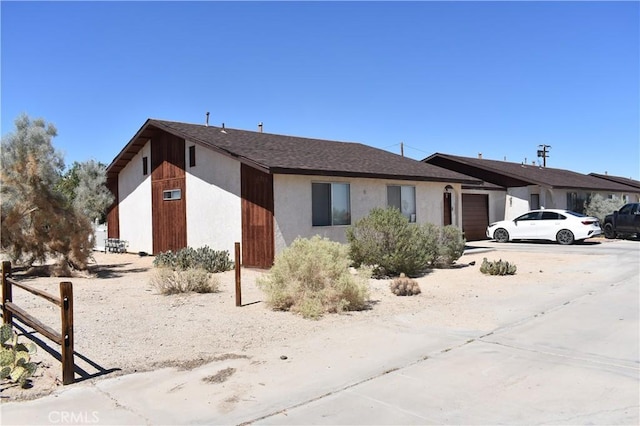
(330, 204)
(192, 156)
(145, 166)
(172, 194)
(404, 199)
(575, 201)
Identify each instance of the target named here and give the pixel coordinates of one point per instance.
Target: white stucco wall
(213, 202)
(518, 201)
(134, 191)
(292, 197)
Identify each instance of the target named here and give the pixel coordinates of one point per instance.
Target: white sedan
(563, 226)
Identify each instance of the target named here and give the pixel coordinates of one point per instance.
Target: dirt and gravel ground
(122, 324)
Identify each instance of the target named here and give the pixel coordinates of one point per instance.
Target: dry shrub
(196, 280)
(404, 286)
(312, 277)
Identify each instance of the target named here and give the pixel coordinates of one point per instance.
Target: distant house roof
(291, 155)
(618, 179)
(509, 174)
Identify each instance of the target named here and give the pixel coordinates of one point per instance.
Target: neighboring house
(511, 189)
(179, 184)
(631, 197)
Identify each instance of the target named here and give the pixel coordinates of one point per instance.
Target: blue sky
(460, 78)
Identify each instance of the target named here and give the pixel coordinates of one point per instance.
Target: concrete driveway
(575, 362)
(571, 359)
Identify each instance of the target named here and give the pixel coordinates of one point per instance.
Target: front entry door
(447, 208)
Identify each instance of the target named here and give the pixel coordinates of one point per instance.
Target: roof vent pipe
(206, 123)
(480, 155)
(260, 127)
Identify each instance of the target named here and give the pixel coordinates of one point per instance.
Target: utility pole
(544, 154)
(402, 149)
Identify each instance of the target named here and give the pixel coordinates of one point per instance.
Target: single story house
(179, 184)
(510, 189)
(632, 197)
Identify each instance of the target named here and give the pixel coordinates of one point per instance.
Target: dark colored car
(624, 222)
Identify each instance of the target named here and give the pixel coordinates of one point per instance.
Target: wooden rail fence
(64, 338)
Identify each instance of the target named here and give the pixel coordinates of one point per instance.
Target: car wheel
(565, 237)
(608, 231)
(501, 235)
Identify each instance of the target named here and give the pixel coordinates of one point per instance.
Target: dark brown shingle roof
(514, 174)
(618, 179)
(293, 155)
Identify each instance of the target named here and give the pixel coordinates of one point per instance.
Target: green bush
(450, 246)
(498, 267)
(202, 258)
(15, 358)
(312, 277)
(599, 207)
(198, 280)
(386, 241)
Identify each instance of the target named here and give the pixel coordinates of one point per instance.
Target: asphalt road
(569, 358)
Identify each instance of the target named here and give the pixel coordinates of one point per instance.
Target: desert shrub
(202, 258)
(197, 280)
(498, 267)
(15, 358)
(450, 246)
(386, 241)
(312, 277)
(403, 286)
(599, 207)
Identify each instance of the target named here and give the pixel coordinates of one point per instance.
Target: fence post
(7, 317)
(238, 288)
(66, 295)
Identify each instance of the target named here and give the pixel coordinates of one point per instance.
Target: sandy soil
(122, 324)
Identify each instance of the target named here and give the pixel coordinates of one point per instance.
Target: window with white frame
(172, 194)
(404, 199)
(330, 204)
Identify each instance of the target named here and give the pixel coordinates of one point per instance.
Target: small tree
(91, 195)
(37, 221)
(84, 186)
(599, 207)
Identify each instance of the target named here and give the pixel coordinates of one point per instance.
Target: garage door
(475, 216)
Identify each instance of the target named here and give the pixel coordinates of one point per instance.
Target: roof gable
(292, 155)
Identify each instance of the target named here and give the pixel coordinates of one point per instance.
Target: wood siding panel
(167, 157)
(257, 218)
(475, 216)
(113, 212)
(169, 217)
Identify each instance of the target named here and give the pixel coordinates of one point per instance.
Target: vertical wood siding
(113, 214)
(257, 218)
(169, 217)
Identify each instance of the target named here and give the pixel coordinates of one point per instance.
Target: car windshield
(575, 214)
